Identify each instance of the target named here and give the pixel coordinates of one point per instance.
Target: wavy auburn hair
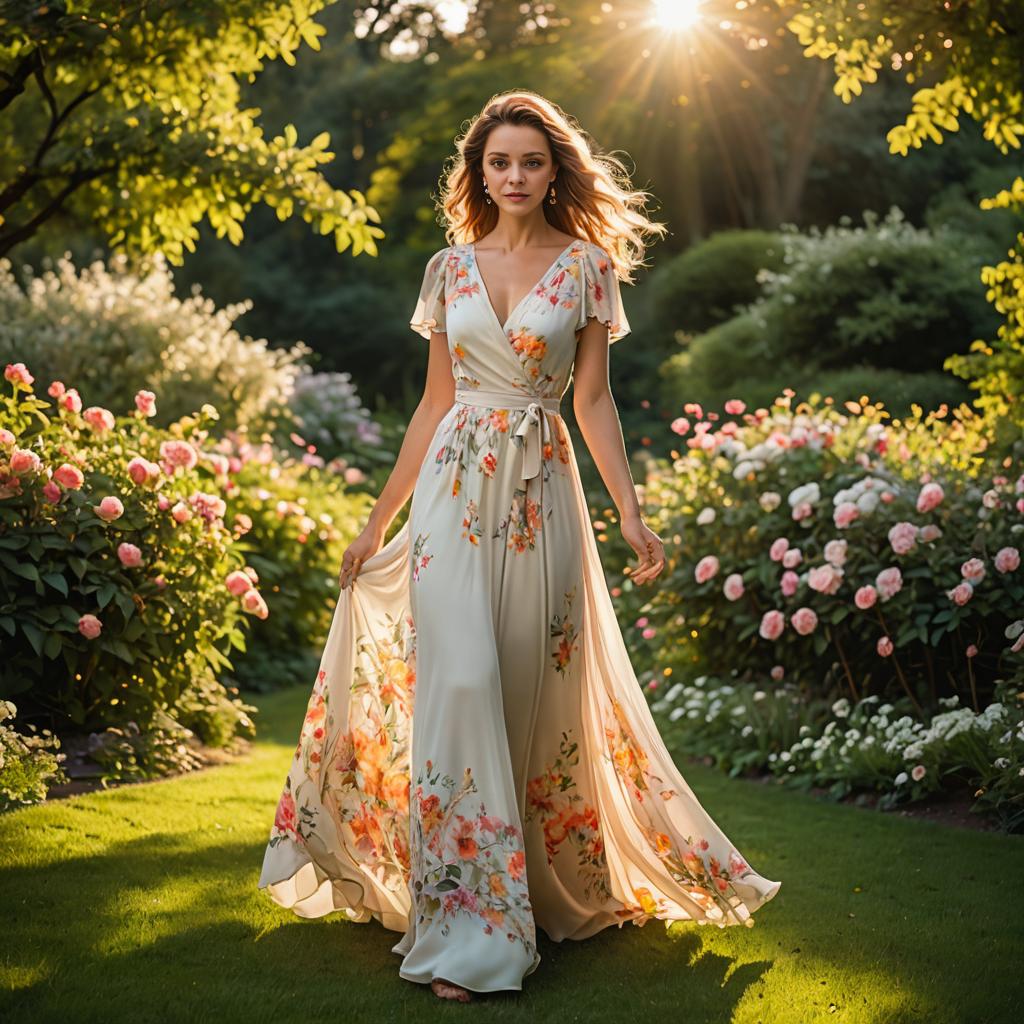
(595, 199)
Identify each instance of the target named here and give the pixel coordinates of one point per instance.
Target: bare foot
(447, 990)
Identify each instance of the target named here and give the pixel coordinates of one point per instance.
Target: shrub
(29, 764)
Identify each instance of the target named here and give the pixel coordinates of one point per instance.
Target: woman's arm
(438, 397)
(598, 420)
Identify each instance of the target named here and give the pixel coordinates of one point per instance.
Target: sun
(676, 14)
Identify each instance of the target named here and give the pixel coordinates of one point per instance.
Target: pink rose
(972, 651)
(129, 555)
(19, 376)
(961, 593)
(928, 533)
(825, 578)
(181, 512)
(68, 476)
(51, 492)
(884, 646)
(1007, 560)
(178, 453)
(649, 633)
(846, 512)
(772, 624)
(98, 418)
(792, 558)
(918, 772)
(733, 586)
(789, 583)
(801, 510)
(804, 621)
(778, 672)
(930, 496)
(238, 582)
(89, 626)
(889, 583)
(835, 552)
(56, 389)
(163, 502)
(973, 570)
(706, 568)
(25, 461)
(109, 509)
(865, 597)
(778, 549)
(145, 402)
(71, 400)
(680, 425)
(252, 601)
(734, 407)
(6, 437)
(903, 538)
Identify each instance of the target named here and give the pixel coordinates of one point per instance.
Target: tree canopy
(128, 115)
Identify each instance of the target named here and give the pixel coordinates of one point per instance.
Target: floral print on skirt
(477, 756)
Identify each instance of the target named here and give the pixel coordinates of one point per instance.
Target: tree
(126, 114)
(972, 54)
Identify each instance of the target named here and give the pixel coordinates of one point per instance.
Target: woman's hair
(595, 199)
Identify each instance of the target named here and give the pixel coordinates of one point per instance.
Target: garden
(207, 377)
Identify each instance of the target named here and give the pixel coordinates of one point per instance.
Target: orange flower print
(420, 559)
(468, 863)
(489, 463)
(522, 523)
(563, 630)
(472, 530)
(498, 419)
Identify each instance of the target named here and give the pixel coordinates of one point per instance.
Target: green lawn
(140, 904)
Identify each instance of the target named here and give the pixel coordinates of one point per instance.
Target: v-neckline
(485, 295)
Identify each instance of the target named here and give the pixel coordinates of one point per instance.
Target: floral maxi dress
(477, 757)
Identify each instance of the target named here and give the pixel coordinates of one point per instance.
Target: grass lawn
(140, 904)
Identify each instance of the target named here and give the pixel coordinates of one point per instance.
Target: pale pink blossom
(889, 583)
(706, 569)
(129, 555)
(649, 633)
(18, 375)
(680, 425)
(865, 597)
(972, 651)
(98, 418)
(89, 626)
(735, 407)
(252, 601)
(903, 538)
(801, 510)
(792, 558)
(846, 512)
(733, 586)
(163, 502)
(178, 453)
(884, 646)
(109, 509)
(778, 672)
(825, 579)
(145, 402)
(23, 460)
(917, 773)
(693, 409)
(835, 552)
(887, 497)
(779, 547)
(990, 499)
(973, 570)
(804, 621)
(142, 471)
(71, 400)
(1007, 560)
(238, 582)
(773, 622)
(961, 593)
(181, 512)
(56, 389)
(789, 583)
(51, 492)
(928, 533)
(6, 437)
(929, 497)
(68, 476)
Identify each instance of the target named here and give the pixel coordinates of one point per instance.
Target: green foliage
(29, 763)
(702, 287)
(130, 117)
(112, 331)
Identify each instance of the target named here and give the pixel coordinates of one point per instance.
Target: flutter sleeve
(601, 296)
(430, 305)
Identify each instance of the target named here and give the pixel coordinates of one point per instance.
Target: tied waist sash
(534, 428)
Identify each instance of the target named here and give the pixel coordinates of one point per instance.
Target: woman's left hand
(648, 547)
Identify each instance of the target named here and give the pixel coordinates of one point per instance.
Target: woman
(534, 788)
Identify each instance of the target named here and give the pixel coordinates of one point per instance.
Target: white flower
(811, 493)
(707, 515)
(900, 779)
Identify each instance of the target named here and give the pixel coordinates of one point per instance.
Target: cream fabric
(530, 785)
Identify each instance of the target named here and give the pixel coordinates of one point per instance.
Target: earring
(487, 195)
(552, 198)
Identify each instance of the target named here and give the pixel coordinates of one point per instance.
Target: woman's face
(517, 159)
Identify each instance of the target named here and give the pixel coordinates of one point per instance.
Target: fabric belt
(534, 429)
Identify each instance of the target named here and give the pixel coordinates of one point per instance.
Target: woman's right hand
(365, 546)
